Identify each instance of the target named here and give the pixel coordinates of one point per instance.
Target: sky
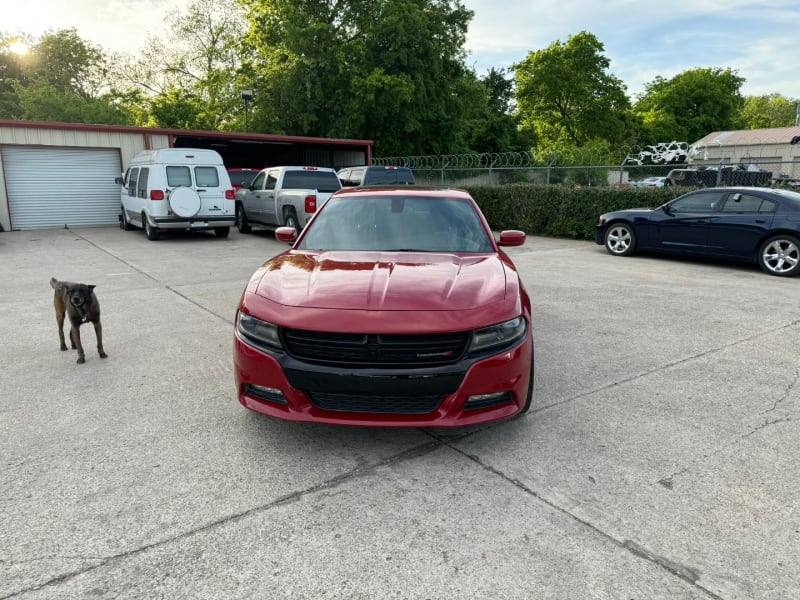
(642, 39)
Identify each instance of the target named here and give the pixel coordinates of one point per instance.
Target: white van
(177, 188)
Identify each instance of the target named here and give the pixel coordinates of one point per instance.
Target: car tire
(291, 221)
(780, 256)
(222, 232)
(242, 223)
(151, 232)
(124, 223)
(620, 239)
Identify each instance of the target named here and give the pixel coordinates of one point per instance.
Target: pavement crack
(676, 363)
(351, 475)
(786, 393)
(688, 575)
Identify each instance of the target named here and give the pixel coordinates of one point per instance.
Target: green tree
(690, 105)
(189, 78)
(388, 70)
(62, 78)
(567, 97)
(771, 110)
(10, 73)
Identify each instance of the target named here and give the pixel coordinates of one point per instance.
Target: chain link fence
(764, 163)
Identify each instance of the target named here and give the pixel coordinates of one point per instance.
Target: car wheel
(291, 221)
(124, 223)
(241, 220)
(620, 239)
(780, 255)
(222, 232)
(151, 232)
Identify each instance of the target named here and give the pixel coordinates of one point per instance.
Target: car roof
(405, 191)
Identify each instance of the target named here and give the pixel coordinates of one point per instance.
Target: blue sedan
(750, 224)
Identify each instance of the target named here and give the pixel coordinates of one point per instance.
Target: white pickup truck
(284, 196)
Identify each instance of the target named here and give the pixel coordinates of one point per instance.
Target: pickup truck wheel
(241, 220)
(151, 232)
(222, 232)
(291, 221)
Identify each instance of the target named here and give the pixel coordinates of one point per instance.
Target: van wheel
(241, 220)
(291, 221)
(124, 223)
(222, 232)
(151, 232)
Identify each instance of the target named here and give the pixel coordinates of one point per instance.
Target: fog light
(487, 400)
(265, 394)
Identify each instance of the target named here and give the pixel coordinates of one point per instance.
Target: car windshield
(397, 223)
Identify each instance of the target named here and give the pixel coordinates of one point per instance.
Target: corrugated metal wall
(54, 187)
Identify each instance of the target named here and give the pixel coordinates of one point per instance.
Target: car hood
(383, 281)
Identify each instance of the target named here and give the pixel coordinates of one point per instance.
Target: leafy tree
(771, 110)
(389, 70)
(189, 80)
(567, 97)
(690, 105)
(495, 127)
(10, 72)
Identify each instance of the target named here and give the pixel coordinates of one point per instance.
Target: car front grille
(362, 403)
(375, 350)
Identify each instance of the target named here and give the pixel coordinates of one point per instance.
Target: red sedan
(395, 307)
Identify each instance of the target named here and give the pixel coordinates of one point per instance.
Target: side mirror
(119, 180)
(512, 237)
(286, 234)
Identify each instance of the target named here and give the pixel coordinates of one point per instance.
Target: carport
(62, 174)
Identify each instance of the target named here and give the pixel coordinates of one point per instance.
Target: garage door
(54, 187)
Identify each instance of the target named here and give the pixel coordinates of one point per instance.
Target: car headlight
(258, 330)
(502, 334)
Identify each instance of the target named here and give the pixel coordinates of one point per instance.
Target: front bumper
(435, 397)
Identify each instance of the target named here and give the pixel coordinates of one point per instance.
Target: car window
(258, 182)
(324, 181)
(272, 179)
(700, 202)
(242, 178)
(745, 203)
(397, 223)
(179, 176)
(134, 175)
(144, 175)
(206, 176)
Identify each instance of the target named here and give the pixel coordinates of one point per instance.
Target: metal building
(62, 174)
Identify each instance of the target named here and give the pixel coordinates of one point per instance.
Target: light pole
(247, 96)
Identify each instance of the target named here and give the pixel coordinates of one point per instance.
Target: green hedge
(561, 211)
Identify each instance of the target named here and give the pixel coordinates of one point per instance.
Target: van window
(134, 174)
(179, 177)
(142, 186)
(206, 176)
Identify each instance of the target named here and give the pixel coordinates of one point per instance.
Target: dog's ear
(91, 288)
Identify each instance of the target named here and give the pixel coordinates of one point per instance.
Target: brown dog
(80, 304)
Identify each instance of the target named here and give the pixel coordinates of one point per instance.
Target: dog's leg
(98, 332)
(60, 322)
(75, 336)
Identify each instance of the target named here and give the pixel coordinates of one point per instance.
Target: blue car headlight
(258, 331)
(496, 336)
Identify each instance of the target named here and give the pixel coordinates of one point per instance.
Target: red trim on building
(149, 131)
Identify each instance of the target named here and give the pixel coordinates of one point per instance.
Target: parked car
(241, 177)
(739, 223)
(284, 196)
(395, 307)
(653, 182)
(176, 188)
(375, 175)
